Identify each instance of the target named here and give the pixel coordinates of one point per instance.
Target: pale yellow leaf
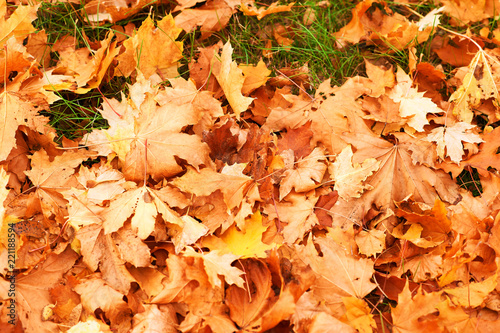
(349, 177)
(451, 138)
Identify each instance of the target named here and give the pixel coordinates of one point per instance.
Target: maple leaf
(472, 294)
(188, 282)
(298, 211)
(109, 254)
(157, 319)
(88, 67)
(32, 290)
(431, 19)
(97, 11)
(305, 175)
(412, 104)
(230, 181)
(145, 205)
(396, 178)
(433, 224)
(370, 242)
(330, 112)
(358, 314)
(471, 11)
(244, 244)
(348, 177)
(150, 133)
(17, 110)
(218, 264)
(19, 22)
(96, 294)
(354, 30)
(451, 137)
(231, 79)
(381, 26)
(49, 176)
(352, 275)
(260, 308)
(487, 156)
(255, 76)
(472, 90)
(141, 50)
(410, 313)
(211, 17)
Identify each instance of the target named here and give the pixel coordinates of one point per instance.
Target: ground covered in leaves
(219, 196)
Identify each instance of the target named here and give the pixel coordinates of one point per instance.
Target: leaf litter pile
(231, 199)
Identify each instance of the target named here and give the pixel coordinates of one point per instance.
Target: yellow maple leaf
(246, 244)
(358, 314)
(412, 104)
(478, 84)
(348, 177)
(451, 138)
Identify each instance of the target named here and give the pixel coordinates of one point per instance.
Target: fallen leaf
(231, 79)
(348, 177)
(451, 137)
(248, 8)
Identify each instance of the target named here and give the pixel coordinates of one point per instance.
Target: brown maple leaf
(141, 50)
(211, 17)
(147, 137)
(32, 290)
